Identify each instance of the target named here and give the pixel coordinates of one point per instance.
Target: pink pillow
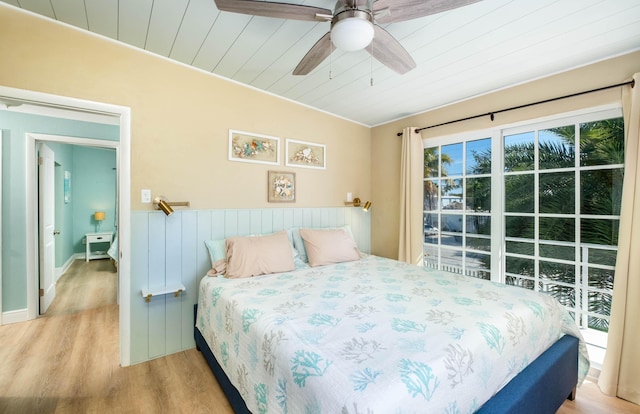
(252, 256)
(329, 246)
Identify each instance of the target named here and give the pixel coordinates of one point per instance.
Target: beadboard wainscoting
(170, 251)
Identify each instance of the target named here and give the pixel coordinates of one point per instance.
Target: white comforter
(375, 336)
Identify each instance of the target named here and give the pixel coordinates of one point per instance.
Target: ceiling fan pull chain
(371, 54)
(371, 65)
(330, 58)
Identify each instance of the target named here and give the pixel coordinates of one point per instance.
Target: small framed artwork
(282, 187)
(67, 187)
(306, 154)
(250, 147)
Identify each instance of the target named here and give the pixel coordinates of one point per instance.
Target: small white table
(93, 238)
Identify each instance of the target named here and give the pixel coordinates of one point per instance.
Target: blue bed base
(543, 385)
(540, 388)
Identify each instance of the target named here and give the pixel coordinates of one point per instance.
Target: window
(556, 189)
(457, 204)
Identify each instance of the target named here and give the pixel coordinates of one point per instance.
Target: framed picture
(250, 147)
(306, 154)
(281, 187)
(67, 187)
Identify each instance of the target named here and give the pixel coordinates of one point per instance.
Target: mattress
(375, 335)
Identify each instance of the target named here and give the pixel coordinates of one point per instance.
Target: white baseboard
(22, 315)
(15, 316)
(61, 270)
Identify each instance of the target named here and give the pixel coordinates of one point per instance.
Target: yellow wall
(181, 117)
(385, 145)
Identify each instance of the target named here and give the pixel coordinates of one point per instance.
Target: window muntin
(457, 207)
(566, 205)
(560, 187)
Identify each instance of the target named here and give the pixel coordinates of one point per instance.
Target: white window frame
(596, 340)
(497, 164)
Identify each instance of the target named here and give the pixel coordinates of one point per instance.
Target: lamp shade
(352, 34)
(99, 215)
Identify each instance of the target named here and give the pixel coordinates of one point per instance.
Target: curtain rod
(491, 114)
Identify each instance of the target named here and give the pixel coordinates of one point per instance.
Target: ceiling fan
(354, 26)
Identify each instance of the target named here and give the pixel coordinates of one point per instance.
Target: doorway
(51, 104)
(85, 184)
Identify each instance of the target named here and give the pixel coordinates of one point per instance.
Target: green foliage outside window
(597, 200)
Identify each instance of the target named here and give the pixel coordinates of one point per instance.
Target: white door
(46, 186)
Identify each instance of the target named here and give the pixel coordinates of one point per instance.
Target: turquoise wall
(93, 188)
(14, 221)
(63, 156)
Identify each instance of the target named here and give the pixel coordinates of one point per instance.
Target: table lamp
(98, 216)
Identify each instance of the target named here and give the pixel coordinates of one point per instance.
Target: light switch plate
(145, 196)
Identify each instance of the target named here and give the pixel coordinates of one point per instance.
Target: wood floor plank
(590, 400)
(67, 362)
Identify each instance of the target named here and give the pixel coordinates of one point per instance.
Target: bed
(368, 334)
(113, 250)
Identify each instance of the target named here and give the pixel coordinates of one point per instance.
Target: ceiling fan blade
(388, 51)
(399, 10)
(319, 52)
(273, 9)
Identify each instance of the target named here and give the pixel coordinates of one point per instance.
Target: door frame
(123, 161)
(1, 145)
(32, 141)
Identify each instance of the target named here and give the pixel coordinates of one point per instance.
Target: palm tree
(601, 143)
(433, 164)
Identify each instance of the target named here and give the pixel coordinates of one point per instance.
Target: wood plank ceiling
(462, 53)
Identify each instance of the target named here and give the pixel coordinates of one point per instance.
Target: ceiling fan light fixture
(352, 33)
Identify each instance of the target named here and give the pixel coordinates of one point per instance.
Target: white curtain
(411, 202)
(620, 374)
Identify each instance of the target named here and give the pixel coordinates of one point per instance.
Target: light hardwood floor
(67, 362)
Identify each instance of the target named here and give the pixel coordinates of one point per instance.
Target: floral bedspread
(375, 336)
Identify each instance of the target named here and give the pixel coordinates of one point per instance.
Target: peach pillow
(252, 256)
(329, 246)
